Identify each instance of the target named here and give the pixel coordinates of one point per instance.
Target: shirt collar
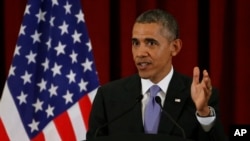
(163, 84)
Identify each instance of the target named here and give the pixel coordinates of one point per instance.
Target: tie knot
(154, 90)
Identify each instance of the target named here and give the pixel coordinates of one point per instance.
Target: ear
(176, 46)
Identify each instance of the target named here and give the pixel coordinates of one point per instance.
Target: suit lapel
(133, 88)
(176, 97)
(177, 94)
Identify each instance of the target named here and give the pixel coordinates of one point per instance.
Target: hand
(201, 91)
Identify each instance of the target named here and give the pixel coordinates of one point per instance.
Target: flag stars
(12, 70)
(33, 126)
(36, 37)
(27, 10)
(38, 105)
(49, 111)
(64, 28)
(56, 69)
(60, 48)
(17, 50)
(87, 65)
(73, 57)
(52, 90)
(41, 16)
(22, 98)
(80, 16)
(48, 43)
(71, 77)
(89, 45)
(26, 78)
(68, 97)
(51, 21)
(45, 64)
(22, 30)
(76, 37)
(67, 8)
(83, 85)
(56, 53)
(54, 2)
(42, 85)
(31, 57)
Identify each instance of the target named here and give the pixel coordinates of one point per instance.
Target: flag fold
(53, 78)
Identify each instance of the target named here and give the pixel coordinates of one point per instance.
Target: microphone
(137, 100)
(158, 101)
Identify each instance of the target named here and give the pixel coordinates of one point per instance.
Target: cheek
(162, 58)
(134, 56)
(163, 53)
(133, 52)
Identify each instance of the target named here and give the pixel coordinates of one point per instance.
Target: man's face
(152, 51)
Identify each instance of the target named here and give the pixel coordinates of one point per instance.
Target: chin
(144, 75)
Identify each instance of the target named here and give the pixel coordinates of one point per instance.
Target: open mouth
(143, 65)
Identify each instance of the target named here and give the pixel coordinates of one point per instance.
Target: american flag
(52, 80)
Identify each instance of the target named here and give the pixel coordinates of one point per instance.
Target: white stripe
(75, 115)
(50, 133)
(92, 94)
(10, 117)
(77, 122)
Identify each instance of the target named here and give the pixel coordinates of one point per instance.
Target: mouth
(143, 65)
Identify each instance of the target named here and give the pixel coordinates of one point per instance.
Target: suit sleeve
(217, 132)
(97, 116)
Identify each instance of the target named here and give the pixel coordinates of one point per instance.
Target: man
(191, 103)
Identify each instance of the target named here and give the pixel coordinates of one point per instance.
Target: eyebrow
(146, 39)
(134, 39)
(150, 39)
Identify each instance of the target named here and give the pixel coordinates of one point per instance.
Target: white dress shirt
(206, 122)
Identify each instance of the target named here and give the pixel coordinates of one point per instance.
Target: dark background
(215, 35)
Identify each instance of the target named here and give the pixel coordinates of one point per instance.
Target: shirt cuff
(207, 122)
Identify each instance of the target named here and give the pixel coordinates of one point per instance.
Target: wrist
(205, 112)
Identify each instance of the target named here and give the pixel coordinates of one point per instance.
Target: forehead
(148, 30)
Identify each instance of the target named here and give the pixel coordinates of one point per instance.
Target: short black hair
(162, 17)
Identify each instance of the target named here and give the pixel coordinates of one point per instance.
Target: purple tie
(152, 112)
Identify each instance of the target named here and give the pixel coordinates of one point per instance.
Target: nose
(140, 51)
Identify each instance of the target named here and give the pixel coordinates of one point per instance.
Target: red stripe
(85, 106)
(3, 133)
(64, 127)
(39, 137)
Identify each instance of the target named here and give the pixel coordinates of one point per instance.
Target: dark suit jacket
(116, 97)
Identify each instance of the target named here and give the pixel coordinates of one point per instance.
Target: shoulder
(184, 82)
(130, 80)
(181, 79)
(122, 85)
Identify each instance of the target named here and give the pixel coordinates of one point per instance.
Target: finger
(206, 79)
(207, 89)
(196, 75)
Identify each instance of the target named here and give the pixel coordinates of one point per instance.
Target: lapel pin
(177, 100)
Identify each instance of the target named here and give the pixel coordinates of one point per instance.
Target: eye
(151, 42)
(135, 42)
